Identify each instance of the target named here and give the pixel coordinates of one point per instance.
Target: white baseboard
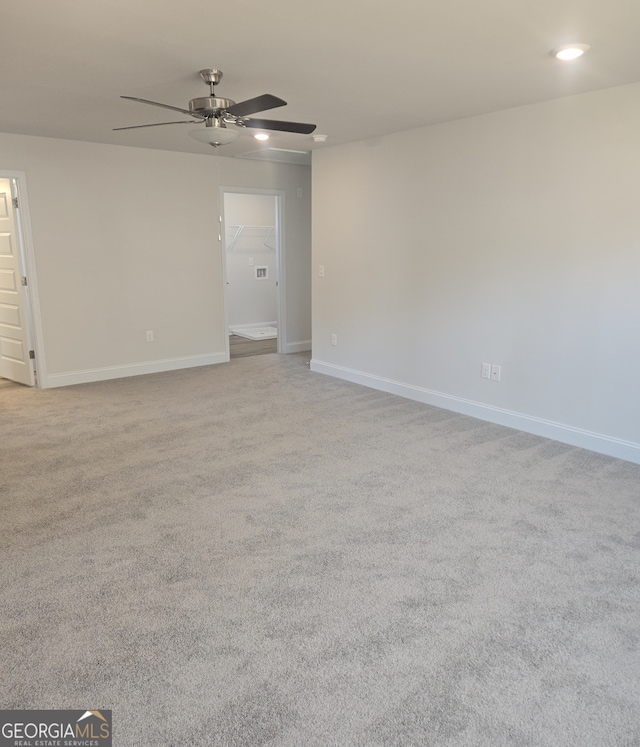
(602, 444)
(255, 324)
(298, 347)
(131, 369)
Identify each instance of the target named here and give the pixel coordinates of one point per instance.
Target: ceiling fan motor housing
(209, 105)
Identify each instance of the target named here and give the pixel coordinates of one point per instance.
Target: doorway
(252, 244)
(17, 352)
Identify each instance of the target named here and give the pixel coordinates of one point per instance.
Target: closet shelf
(250, 232)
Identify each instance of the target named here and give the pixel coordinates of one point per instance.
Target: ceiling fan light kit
(214, 135)
(216, 113)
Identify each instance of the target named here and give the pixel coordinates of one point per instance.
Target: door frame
(27, 262)
(281, 275)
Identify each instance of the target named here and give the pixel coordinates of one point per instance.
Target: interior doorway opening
(252, 249)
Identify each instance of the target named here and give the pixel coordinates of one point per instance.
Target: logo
(55, 729)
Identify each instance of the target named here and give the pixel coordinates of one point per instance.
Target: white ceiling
(356, 68)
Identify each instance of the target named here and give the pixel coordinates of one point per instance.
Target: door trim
(281, 294)
(18, 181)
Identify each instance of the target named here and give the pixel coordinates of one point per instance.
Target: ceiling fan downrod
(211, 78)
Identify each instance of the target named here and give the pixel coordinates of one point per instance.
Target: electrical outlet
(334, 339)
(320, 271)
(485, 371)
(495, 373)
(149, 335)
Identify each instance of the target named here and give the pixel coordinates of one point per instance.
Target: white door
(15, 363)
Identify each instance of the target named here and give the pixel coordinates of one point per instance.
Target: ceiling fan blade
(274, 124)
(258, 104)
(155, 124)
(164, 106)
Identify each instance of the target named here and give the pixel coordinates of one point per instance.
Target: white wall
(511, 238)
(251, 300)
(126, 240)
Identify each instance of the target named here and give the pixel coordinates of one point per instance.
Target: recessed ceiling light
(261, 136)
(571, 51)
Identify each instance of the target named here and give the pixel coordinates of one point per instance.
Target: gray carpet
(254, 554)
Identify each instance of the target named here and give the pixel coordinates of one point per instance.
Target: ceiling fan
(217, 113)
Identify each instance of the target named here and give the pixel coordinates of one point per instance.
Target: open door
(15, 342)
